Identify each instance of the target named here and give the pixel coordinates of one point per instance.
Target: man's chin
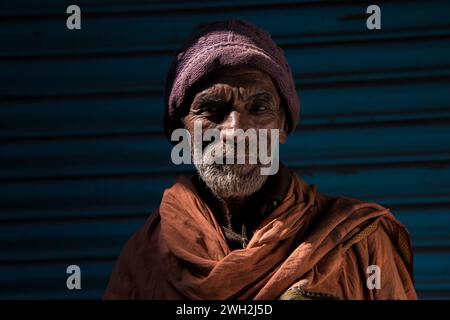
(232, 180)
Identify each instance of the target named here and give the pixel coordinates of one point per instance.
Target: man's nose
(231, 124)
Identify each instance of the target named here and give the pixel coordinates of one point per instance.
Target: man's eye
(259, 108)
(212, 108)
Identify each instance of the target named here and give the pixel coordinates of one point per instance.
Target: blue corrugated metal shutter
(83, 160)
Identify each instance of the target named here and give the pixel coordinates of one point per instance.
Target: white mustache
(217, 150)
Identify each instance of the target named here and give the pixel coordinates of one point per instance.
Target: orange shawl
(318, 245)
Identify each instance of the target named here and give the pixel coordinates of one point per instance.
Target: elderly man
(230, 232)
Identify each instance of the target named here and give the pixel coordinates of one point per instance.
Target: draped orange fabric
(311, 241)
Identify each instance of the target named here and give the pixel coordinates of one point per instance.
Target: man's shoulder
(379, 232)
(374, 218)
(329, 202)
(143, 236)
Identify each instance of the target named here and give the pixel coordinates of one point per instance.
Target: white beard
(229, 180)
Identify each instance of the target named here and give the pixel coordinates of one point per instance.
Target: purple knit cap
(221, 44)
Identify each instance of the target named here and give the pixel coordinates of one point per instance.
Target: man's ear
(284, 127)
(283, 136)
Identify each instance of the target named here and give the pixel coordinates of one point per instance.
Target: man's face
(235, 98)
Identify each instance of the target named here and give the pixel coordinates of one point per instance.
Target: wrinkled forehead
(241, 77)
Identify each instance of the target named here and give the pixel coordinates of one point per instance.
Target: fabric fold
(181, 252)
